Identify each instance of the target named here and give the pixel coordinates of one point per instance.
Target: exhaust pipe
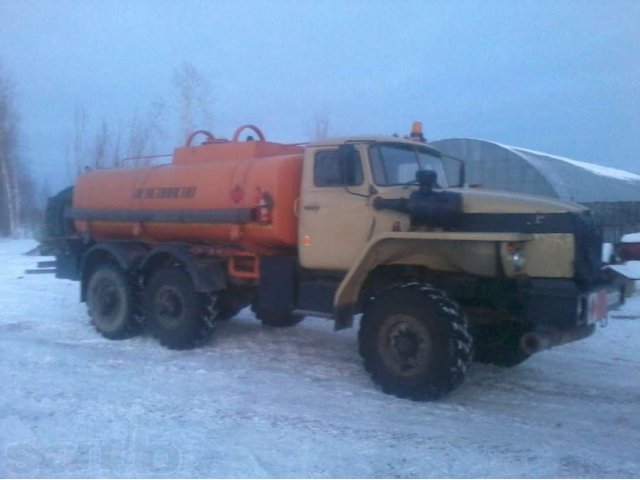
(531, 343)
(534, 342)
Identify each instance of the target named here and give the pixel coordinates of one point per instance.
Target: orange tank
(221, 192)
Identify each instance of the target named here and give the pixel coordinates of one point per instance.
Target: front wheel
(175, 313)
(415, 342)
(112, 302)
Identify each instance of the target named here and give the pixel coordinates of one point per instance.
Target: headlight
(515, 255)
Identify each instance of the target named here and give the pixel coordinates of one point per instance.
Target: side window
(328, 170)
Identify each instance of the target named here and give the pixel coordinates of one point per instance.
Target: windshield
(397, 164)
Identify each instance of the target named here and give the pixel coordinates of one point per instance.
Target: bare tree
(320, 126)
(195, 99)
(109, 147)
(9, 161)
(133, 143)
(19, 210)
(101, 146)
(144, 130)
(77, 157)
(31, 205)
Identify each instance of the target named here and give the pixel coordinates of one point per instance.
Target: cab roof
(364, 139)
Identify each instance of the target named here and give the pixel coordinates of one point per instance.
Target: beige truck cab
(441, 273)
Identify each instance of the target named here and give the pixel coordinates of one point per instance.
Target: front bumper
(560, 303)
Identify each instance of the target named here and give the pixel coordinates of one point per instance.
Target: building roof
(495, 165)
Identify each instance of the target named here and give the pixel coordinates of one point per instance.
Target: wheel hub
(107, 300)
(405, 345)
(169, 307)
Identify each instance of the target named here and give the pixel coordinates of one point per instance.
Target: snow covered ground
(292, 403)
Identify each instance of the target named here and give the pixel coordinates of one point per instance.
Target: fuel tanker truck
(379, 229)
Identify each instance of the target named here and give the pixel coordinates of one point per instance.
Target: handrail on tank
(206, 133)
(239, 130)
(210, 138)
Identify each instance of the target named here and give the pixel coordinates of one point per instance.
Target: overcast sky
(557, 76)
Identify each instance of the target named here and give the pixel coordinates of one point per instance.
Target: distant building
(612, 194)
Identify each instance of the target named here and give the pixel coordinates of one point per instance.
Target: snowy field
(292, 403)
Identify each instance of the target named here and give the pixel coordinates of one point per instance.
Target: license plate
(597, 306)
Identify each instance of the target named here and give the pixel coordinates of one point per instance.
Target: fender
(438, 251)
(207, 274)
(127, 255)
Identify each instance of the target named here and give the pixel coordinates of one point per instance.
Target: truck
(381, 231)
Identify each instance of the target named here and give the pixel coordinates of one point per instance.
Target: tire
(57, 223)
(175, 313)
(415, 342)
(112, 304)
(499, 344)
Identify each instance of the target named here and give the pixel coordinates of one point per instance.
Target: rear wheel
(112, 302)
(176, 314)
(415, 342)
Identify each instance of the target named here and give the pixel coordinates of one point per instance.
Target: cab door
(335, 217)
